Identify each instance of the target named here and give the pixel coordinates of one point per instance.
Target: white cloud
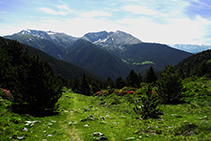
(177, 30)
(52, 12)
(95, 14)
(64, 7)
(137, 9)
(163, 21)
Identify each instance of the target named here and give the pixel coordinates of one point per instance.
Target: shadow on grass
(34, 112)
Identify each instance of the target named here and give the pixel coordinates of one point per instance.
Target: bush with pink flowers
(125, 91)
(119, 92)
(102, 93)
(5, 94)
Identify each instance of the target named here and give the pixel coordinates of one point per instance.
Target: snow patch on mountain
(108, 40)
(50, 32)
(115, 40)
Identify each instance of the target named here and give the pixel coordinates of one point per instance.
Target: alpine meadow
(113, 70)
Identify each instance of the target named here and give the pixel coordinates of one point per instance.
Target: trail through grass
(81, 116)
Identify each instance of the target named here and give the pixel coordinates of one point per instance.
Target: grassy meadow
(113, 118)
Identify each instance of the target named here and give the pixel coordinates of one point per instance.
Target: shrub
(5, 94)
(102, 93)
(147, 104)
(125, 91)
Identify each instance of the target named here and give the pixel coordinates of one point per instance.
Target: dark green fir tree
(169, 86)
(120, 83)
(150, 76)
(84, 86)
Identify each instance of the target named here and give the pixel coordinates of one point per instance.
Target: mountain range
(108, 54)
(191, 47)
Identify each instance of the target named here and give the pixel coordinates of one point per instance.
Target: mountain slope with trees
(94, 59)
(141, 56)
(39, 43)
(60, 67)
(197, 64)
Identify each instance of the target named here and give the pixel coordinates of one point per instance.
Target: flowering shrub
(5, 94)
(148, 101)
(125, 91)
(130, 92)
(155, 91)
(102, 93)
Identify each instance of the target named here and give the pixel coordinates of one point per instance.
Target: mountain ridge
(124, 50)
(96, 60)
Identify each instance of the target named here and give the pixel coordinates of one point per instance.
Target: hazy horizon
(167, 22)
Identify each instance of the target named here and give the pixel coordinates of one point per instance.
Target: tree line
(88, 86)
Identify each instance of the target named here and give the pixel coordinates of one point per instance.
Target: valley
(93, 51)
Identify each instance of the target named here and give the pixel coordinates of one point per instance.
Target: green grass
(135, 63)
(189, 121)
(147, 62)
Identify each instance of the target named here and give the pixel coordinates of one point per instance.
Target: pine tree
(84, 86)
(120, 83)
(43, 89)
(29, 79)
(95, 87)
(132, 79)
(110, 83)
(203, 69)
(140, 80)
(188, 71)
(150, 76)
(169, 86)
(180, 73)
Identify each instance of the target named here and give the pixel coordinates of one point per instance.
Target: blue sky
(166, 21)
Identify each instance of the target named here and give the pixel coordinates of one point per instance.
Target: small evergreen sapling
(147, 103)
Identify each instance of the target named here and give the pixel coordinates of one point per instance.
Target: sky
(160, 21)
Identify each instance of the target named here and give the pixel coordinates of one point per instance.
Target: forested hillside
(198, 64)
(62, 68)
(141, 56)
(39, 43)
(94, 59)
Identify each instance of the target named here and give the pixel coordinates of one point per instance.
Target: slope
(141, 56)
(94, 59)
(65, 69)
(194, 61)
(39, 43)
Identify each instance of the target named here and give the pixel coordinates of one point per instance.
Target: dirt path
(73, 133)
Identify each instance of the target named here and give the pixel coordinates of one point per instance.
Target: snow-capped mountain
(40, 34)
(60, 39)
(191, 48)
(114, 40)
(109, 40)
